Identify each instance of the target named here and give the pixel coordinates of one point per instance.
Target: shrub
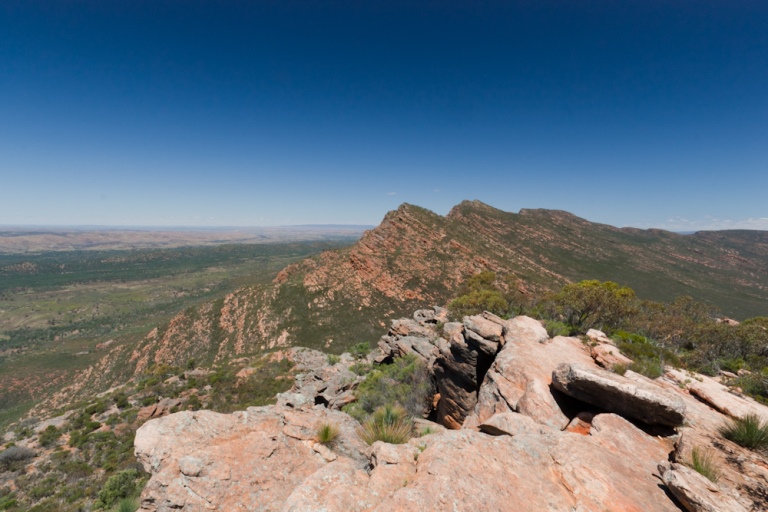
(405, 382)
(49, 436)
(14, 457)
(750, 432)
(555, 328)
(327, 433)
(703, 462)
(119, 486)
(128, 505)
(360, 350)
(620, 368)
(389, 424)
(333, 359)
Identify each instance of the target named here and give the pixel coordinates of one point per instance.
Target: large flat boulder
(695, 492)
(633, 399)
(248, 460)
(465, 470)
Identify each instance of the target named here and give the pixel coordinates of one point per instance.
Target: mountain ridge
(416, 258)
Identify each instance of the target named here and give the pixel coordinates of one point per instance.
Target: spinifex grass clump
(390, 424)
(703, 462)
(327, 433)
(750, 432)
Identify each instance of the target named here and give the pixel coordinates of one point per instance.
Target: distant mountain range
(416, 258)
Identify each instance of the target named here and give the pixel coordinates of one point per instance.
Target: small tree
(592, 303)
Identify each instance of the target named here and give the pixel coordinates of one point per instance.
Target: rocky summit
(522, 422)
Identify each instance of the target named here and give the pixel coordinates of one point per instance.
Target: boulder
(717, 395)
(632, 399)
(484, 328)
(695, 492)
(597, 336)
(533, 471)
(520, 377)
(248, 460)
(609, 356)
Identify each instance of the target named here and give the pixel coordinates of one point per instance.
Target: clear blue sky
(642, 113)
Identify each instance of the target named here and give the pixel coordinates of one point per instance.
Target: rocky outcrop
(695, 492)
(520, 377)
(559, 432)
(612, 392)
(250, 460)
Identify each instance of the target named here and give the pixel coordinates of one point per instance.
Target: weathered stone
(609, 356)
(519, 379)
(527, 329)
(597, 336)
(237, 462)
(484, 328)
(424, 316)
(717, 395)
(161, 408)
(612, 392)
(487, 347)
(695, 492)
(510, 424)
(408, 327)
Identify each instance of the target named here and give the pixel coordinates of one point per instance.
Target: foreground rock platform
(534, 424)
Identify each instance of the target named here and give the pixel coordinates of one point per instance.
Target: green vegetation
(118, 487)
(750, 432)
(60, 310)
(589, 304)
(390, 424)
(404, 383)
(481, 292)
(703, 462)
(127, 505)
(327, 433)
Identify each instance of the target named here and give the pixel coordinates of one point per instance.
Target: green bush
(703, 462)
(49, 436)
(327, 433)
(405, 382)
(119, 486)
(15, 457)
(360, 350)
(333, 359)
(390, 424)
(128, 505)
(750, 432)
(555, 328)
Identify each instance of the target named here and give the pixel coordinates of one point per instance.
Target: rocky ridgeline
(534, 424)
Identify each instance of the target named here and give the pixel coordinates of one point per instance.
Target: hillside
(416, 258)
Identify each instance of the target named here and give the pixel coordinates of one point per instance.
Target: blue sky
(633, 113)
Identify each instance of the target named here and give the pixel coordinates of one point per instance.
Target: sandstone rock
(161, 408)
(637, 400)
(609, 356)
(248, 460)
(408, 327)
(510, 424)
(717, 395)
(695, 492)
(328, 385)
(598, 336)
(524, 328)
(519, 379)
(464, 471)
(424, 316)
(484, 328)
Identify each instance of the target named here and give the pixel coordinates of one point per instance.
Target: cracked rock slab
(638, 400)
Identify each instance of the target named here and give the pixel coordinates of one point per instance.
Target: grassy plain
(59, 311)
